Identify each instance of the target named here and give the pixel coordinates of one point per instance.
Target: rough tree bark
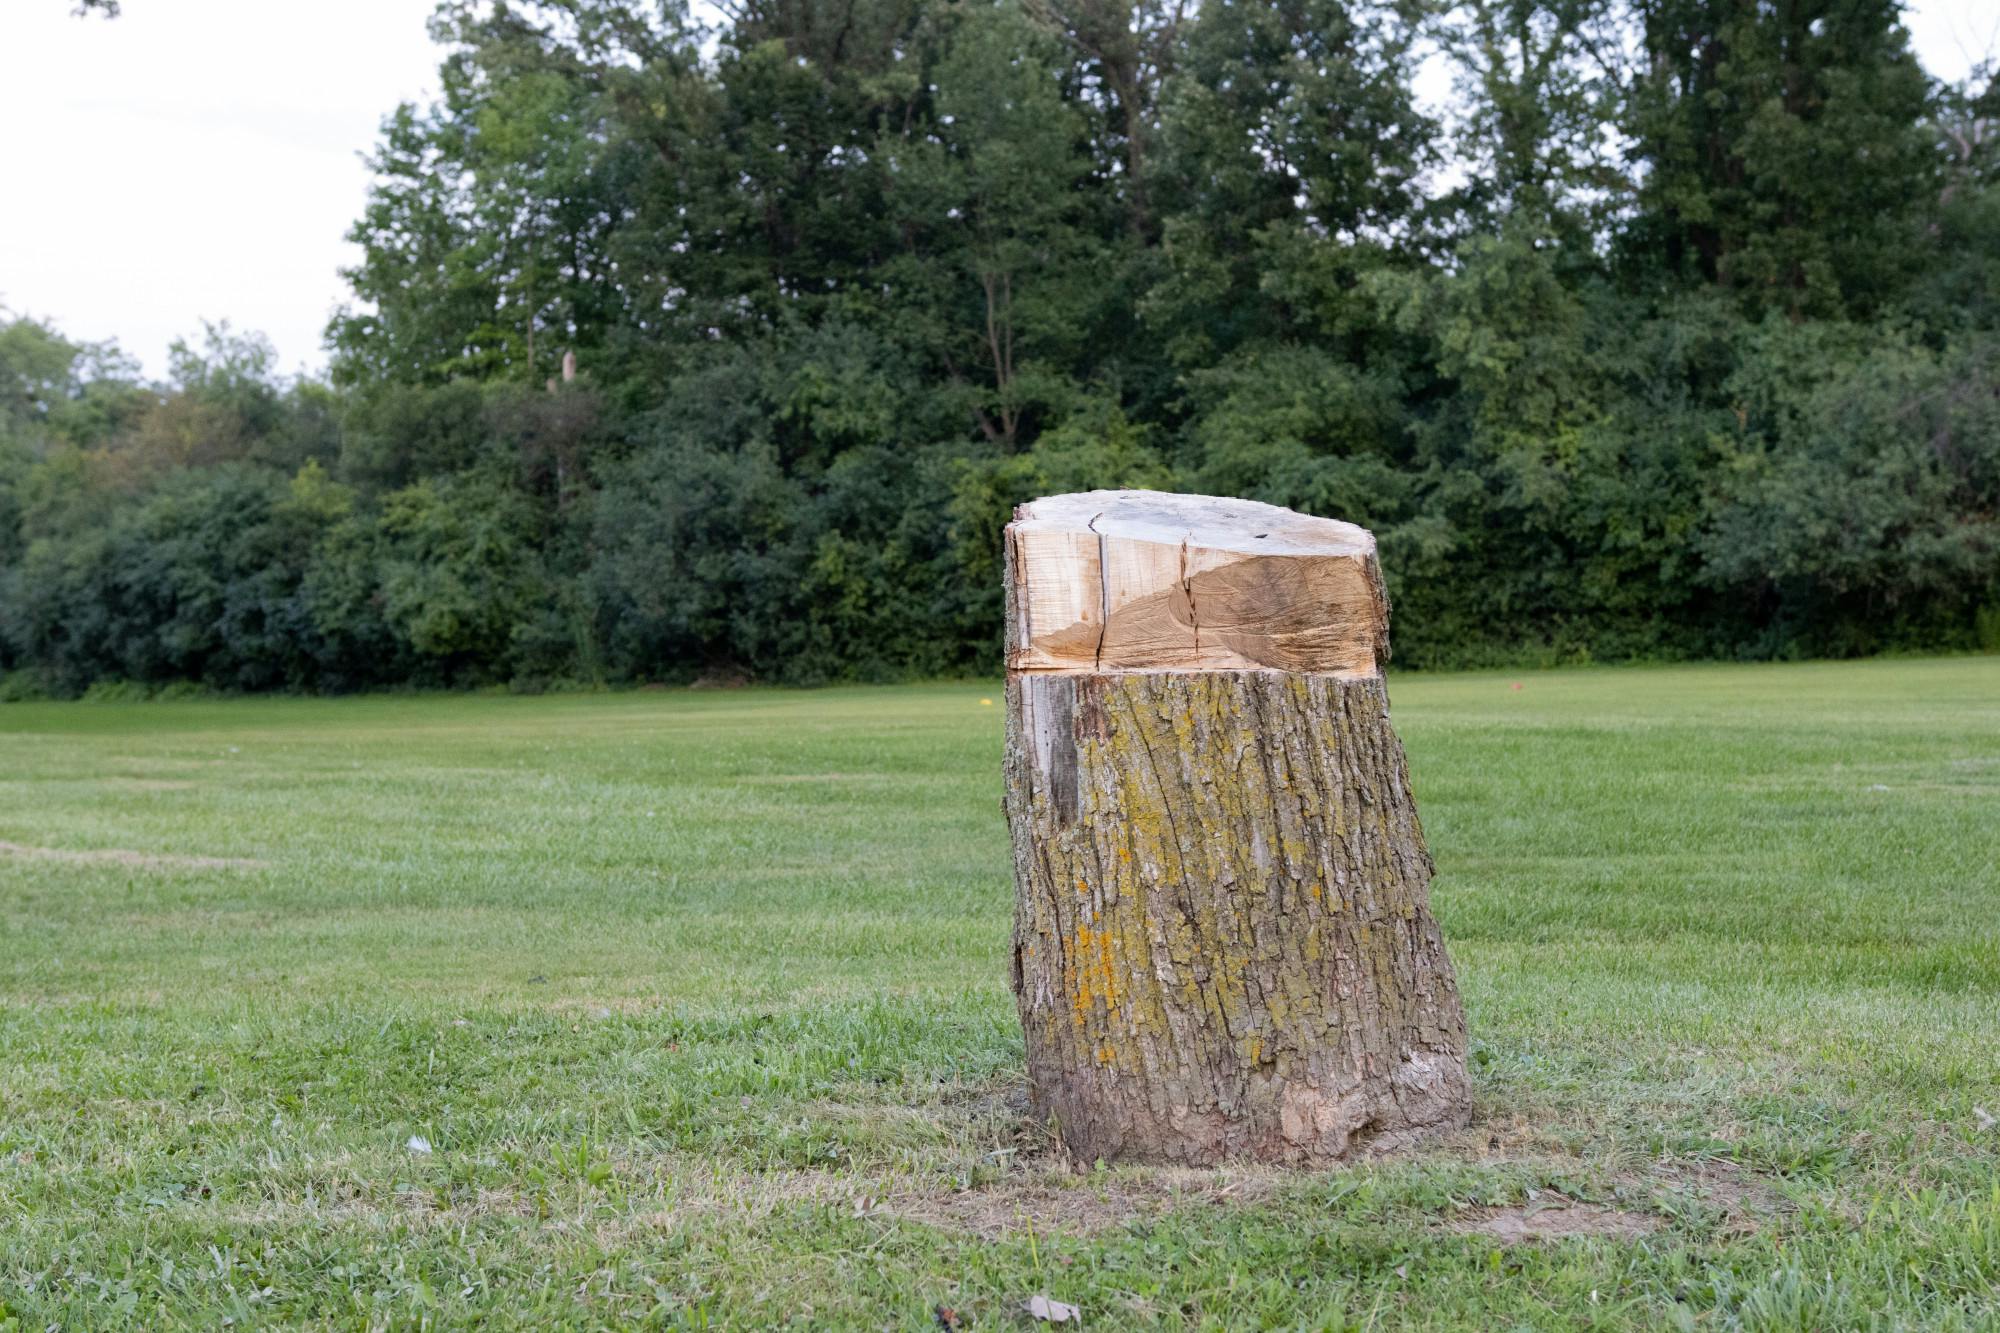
(1223, 947)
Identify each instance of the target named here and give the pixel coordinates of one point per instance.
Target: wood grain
(1148, 581)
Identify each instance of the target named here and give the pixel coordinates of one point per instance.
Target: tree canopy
(1676, 334)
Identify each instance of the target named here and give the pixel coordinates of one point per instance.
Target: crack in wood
(1187, 588)
(1104, 592)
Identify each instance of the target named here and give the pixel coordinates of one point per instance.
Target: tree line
(1675, 333)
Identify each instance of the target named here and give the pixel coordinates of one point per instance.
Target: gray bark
(1223, 946)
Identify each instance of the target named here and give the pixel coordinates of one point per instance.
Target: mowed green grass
(699, 1001)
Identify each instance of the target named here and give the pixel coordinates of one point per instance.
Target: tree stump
(1223, 947)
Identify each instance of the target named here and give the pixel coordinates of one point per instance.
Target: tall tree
(1539, 84)
(1782, 150)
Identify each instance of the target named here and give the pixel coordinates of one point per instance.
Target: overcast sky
(200, 159)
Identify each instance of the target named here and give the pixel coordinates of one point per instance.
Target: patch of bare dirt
(1555, 1218)
(1747, 1200)
(1057, 1202)
(135, 860)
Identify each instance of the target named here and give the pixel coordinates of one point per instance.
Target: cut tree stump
(1223, 946)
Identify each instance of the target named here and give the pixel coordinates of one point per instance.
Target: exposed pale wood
(1223, 945)
(1147, 581)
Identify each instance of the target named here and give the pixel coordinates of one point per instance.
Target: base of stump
(1223, 946)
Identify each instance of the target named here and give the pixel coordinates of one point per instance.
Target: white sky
(201, 158)
(194, 159)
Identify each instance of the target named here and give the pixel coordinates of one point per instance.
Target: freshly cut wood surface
(1147, 581)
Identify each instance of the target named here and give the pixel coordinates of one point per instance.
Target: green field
(698, 1000)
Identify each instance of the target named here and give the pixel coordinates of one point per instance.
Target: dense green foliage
(699, 1001)
(1678, 335)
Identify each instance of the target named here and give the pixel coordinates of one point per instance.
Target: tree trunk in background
(1223, 947)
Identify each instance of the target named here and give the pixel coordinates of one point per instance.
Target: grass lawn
(698, 1002)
